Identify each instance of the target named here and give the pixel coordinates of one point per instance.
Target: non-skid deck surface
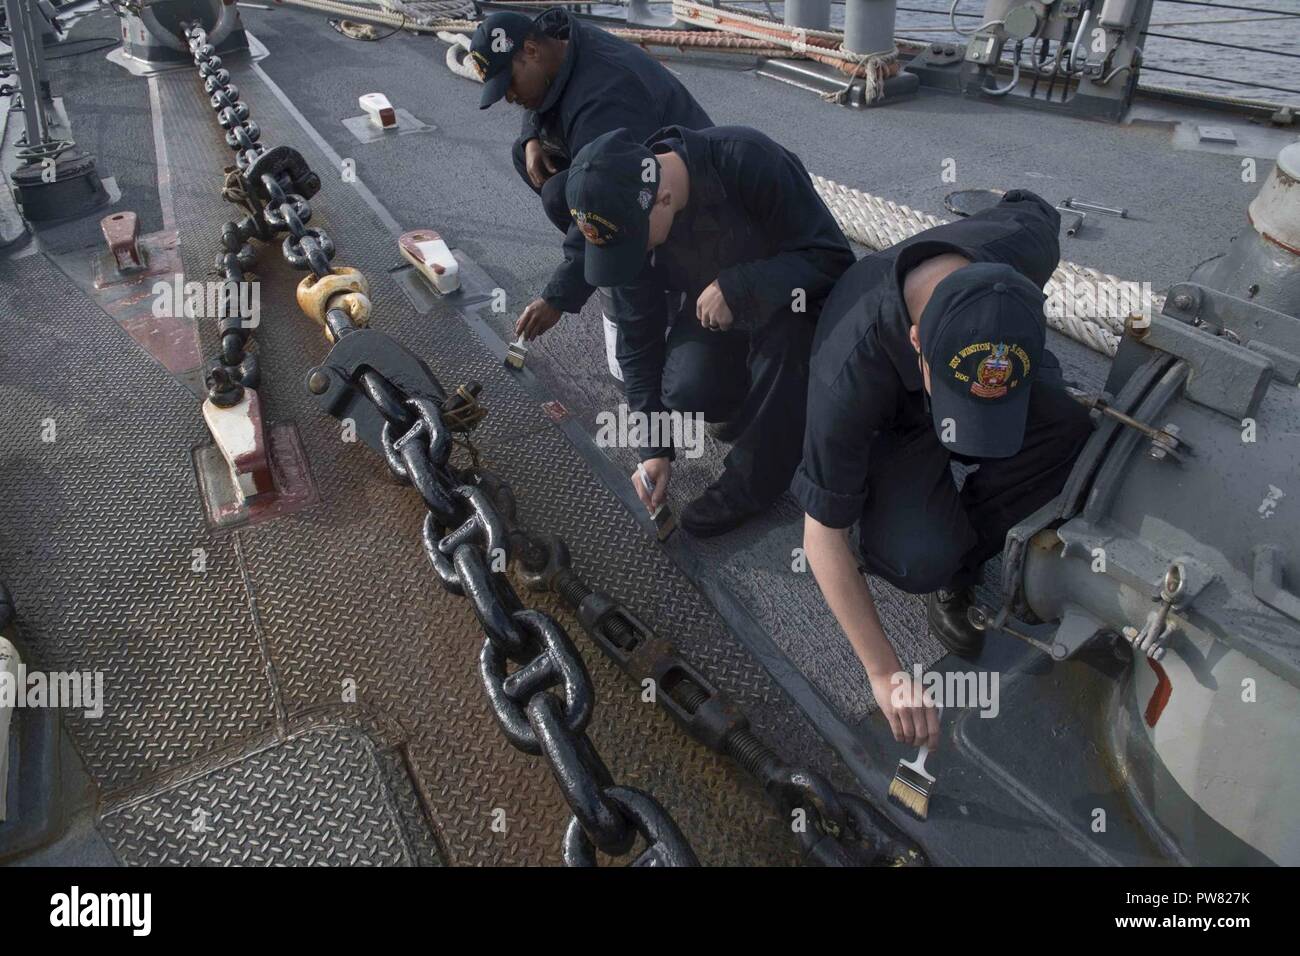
(211, 677)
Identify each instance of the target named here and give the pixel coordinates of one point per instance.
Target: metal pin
(1072, 219)
(982, 619)
(1163, 440)
(1073, 203)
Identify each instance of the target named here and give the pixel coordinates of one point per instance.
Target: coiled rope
(458, 55)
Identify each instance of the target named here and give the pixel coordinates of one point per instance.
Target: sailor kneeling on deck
(720, 231)
(574, 82)
(928, 352)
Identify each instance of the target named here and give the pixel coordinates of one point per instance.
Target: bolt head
(318, 382)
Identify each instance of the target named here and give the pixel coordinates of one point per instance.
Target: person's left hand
(712, 309)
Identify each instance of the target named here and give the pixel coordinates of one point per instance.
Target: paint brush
(515, 353)
(911, 786)
(663, 517)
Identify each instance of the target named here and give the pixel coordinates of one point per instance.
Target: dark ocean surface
(1264, 27)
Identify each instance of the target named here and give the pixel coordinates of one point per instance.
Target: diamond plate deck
(316, 800)
(98, 529)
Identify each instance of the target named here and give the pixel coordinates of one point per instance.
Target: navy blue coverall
(871, 455)
(754, 223)
(604, 84)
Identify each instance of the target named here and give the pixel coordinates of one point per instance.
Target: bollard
(869, 26)
(238, 434)
(429, 253)
(380, 111)
(809, 14)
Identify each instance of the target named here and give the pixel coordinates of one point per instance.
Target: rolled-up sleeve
(844, 415)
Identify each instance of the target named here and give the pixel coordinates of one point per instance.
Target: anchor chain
(463, 532)
(471, 538)
(272, 186)
(545, 704)
(535, 679)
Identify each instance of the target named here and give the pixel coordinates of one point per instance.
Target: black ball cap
(982, 334)
(612, 184)
(492, 51)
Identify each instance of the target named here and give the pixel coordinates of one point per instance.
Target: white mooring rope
(879, 223)
(458, 55)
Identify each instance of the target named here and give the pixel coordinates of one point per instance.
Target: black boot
(715, 512)
(946, 610)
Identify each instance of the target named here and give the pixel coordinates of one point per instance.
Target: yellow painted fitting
(355, 304)
(314, 294)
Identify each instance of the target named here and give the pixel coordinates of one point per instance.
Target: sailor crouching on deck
(574, 82)
(720, 231)
(926, 352)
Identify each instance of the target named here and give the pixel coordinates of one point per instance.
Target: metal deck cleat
(379, 110)
(238, 434)
(432, 258)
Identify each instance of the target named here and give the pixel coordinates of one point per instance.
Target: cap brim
(995, 430)
(494, 89)
(618, 264)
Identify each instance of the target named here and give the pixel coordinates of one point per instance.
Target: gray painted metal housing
(1191, 552)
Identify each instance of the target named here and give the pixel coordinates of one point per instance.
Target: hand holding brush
(912, 784)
